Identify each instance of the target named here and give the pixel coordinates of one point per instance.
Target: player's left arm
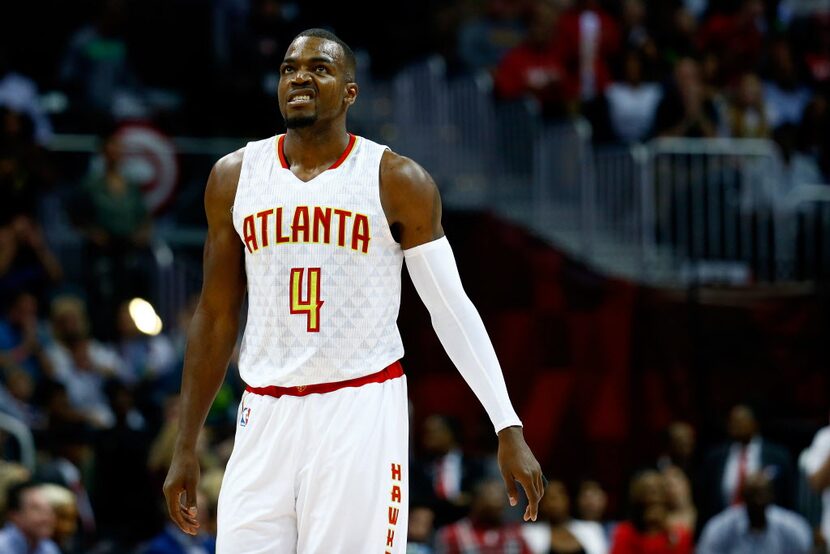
(412, 204)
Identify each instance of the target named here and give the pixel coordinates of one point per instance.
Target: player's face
(313, 84)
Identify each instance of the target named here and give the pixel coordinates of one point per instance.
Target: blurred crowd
(94, 485)
(88, 395)
(695, 68)
(635, 68)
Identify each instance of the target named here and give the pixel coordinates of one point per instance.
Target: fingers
(182, 515)
(171, 495)
(510, 485)
(189, 508)
(190, 495)
(188, 513)
(530, 483)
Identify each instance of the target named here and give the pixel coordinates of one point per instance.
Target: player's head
(316, 79)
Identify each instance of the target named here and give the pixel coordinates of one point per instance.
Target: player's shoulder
(397, 166)
(224, 179)
(404, 176)
(229, 165)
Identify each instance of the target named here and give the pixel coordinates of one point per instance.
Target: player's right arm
(210, 338)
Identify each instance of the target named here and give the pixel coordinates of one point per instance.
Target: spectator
(785, 97)
(632, 104)
(727, 466)
(559, 533)
(682, 512)
(757, 525)
(738, 36)
(799, 167)
(679, 447)
(26, 261)
(70, 456)
(649, 531)
(30, 522)
(816, 463)
(65, 507)
(20, 187)
(421, 528)
(96, 68)
(250, 39)
(22, 338)
(535, 68)
(161, 448)
(484, 531)
(591, 505)
(146, 358)
(817, 56)
(17, 398)
(747, 114)
(114, 220)
(812, 134)
(10, 474)
(81, 363)
(123, 450)
(676, 29)
(636, 35)
(483, 41)
(588, 38)
(696, 7)
(445, 471)
(19, 94)
(685, 111)
(796, 9)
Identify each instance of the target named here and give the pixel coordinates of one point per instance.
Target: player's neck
(315, 146)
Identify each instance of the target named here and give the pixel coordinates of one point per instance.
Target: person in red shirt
(588, 38)
(484, 531)
(649, 531)
(739, 37)
(534, 68)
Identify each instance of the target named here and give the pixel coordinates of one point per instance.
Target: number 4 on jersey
(311, 304)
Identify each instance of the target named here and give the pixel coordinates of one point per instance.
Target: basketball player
(315, 226)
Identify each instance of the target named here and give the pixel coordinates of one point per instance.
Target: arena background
(636, 192)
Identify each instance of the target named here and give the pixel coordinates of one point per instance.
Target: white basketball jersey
(323, 270)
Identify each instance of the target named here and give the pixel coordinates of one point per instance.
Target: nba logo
(243, 418)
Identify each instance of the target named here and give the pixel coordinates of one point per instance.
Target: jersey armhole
(383, 150)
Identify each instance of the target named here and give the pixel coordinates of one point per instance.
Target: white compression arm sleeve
(459, 327)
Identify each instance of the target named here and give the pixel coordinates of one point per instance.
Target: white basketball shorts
(319, 472)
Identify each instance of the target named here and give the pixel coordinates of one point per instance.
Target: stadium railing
(671, 211)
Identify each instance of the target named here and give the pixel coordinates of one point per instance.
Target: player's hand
(517, 463)
(180, 490)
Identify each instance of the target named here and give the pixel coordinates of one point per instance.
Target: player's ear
(351, 93)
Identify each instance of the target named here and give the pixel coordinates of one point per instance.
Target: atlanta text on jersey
(308, 224)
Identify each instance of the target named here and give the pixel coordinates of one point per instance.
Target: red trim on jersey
(345, 153)
(392, 371)
(281, 152)
(340, 160)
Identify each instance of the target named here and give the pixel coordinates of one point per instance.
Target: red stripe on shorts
(392, 371)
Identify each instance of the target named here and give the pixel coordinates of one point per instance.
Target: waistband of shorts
(392, 371)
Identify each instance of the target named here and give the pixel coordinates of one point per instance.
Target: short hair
(14, 496)
(348, 54)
